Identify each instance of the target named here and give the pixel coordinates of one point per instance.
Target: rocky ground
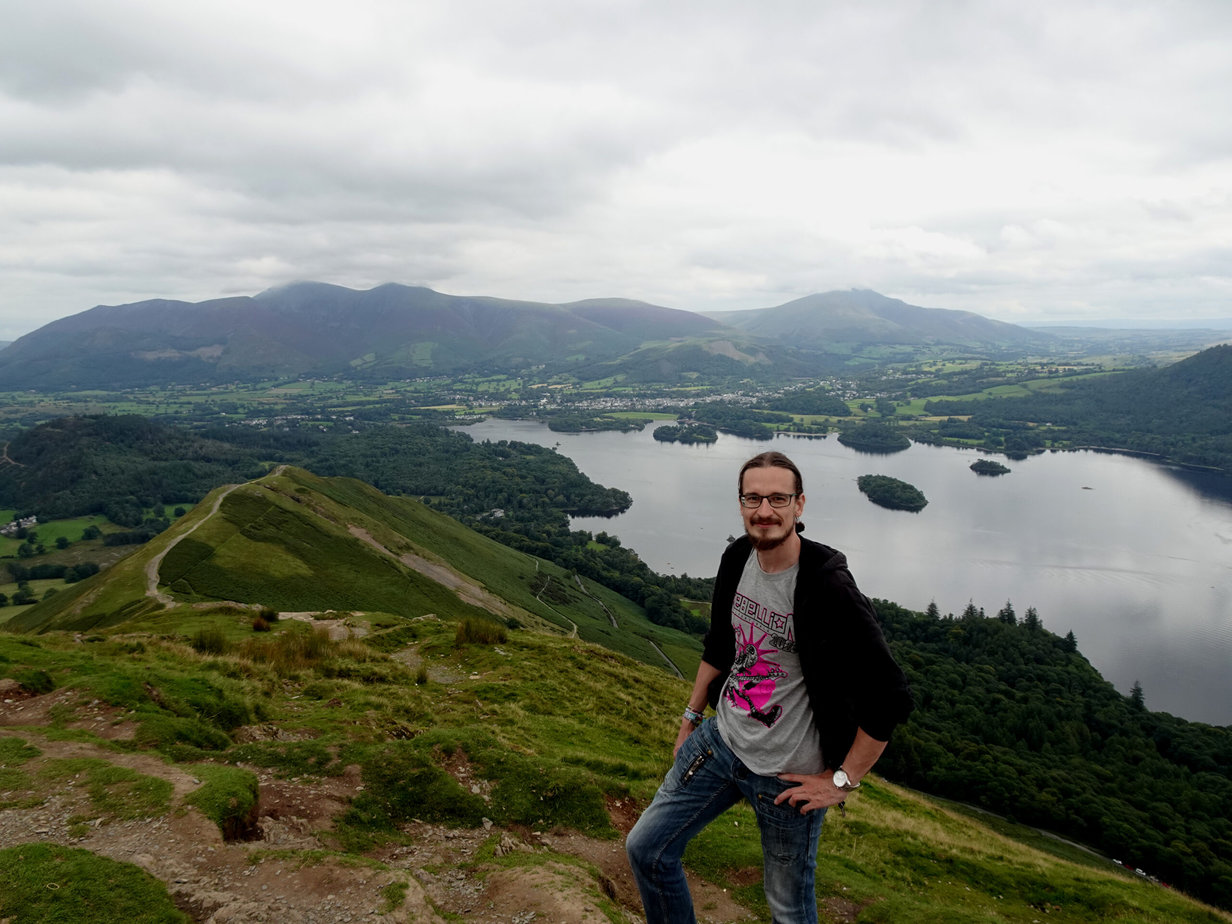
(290, 873)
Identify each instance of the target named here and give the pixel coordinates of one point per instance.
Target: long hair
(771, 460)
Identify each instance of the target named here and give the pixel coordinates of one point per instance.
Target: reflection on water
(1131, 556)
(1206, 485)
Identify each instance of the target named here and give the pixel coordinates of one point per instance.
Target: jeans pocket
(690, 759)
(783, 815)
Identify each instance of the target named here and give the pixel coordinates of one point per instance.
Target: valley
(314, 589)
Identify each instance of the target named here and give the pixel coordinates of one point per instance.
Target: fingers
(794, 796)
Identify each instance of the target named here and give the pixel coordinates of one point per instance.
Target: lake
(1134, 558)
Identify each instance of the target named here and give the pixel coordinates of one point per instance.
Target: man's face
(768, 526)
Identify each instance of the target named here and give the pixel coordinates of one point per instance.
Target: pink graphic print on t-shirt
(753, 678)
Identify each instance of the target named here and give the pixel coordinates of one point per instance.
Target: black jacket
(852, 679)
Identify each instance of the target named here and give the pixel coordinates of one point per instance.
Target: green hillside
(535, 748)
(294, 542)
(1179, 412)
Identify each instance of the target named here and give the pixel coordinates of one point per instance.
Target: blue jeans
(706, 780)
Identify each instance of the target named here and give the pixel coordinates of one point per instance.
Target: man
(805, 692)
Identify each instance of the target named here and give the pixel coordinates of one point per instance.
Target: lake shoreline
(1142, 551)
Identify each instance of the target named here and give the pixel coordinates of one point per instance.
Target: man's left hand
(813, 791)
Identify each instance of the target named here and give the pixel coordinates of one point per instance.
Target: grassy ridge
(292, 541)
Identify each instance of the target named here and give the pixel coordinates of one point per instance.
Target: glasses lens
(776, 500)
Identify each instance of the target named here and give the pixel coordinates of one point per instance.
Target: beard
(763, 542)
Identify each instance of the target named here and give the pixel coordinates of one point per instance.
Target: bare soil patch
(293, 872)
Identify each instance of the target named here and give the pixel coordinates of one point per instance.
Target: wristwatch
(843, 781)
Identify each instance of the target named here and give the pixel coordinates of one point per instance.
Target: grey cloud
(1004, 156)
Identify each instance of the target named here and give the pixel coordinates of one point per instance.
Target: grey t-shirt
(764, 713)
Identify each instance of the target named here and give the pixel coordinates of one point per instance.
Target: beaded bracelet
(692, 715)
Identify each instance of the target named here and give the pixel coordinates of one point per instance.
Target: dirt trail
(292, 874)
(152, 566)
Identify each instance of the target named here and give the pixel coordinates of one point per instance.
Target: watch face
(840, 778)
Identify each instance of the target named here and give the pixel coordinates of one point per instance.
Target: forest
(989, 468)
(686, 433)
(1012, 718)
(892, 493)
(1178, 412)
(873, 436)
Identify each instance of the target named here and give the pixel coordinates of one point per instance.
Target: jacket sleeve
(719, 646)
(880, 697)
(852, 678)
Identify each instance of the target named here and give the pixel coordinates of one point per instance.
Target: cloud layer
(1027, 161)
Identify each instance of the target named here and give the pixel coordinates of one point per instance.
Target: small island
(686, 433)
(583, 423)
(892, 493)
(874, 437)
(989, 467)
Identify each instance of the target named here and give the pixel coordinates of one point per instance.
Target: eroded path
(155, 563)
(293, 872)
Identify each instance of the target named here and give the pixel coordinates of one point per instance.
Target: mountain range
(397, 331)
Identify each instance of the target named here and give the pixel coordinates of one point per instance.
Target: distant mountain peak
(317, 328)
(857, 317)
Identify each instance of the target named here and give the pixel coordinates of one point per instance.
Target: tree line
(1012, 718)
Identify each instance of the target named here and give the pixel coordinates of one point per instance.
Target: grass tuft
(46, 882)
(394, 895)
(292, 651)
(116, 791)
(14, 752)
(472, 631)
(35, 681)
(228, 796)
(209, 640)
(402, 784)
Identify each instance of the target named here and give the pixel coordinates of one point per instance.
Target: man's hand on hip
(813, 791)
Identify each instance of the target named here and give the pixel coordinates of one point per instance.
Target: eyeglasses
(753, 501)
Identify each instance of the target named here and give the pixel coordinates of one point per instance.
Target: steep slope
(1205, 376)
(294, 542)
(388, 331)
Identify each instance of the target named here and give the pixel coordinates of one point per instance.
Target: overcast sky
(1030, 161)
